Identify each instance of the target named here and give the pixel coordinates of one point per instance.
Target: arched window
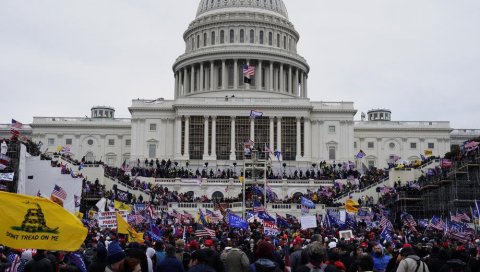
(242, 36)
(204, 39)
(232, 35)
(261, 37)
(222, 36)
(284, 42)
(278, 40)
(270, 38)
(252, 36)
(198, 41)
(192, 44)
(217, 195)
(212, 42)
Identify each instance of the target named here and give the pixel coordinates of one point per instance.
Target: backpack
(419, 263)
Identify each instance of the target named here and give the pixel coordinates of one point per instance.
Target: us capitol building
(209, 118)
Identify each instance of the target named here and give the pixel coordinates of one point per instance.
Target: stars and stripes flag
(205, 232)
(258, 207)
(385, 223)
(436, 223)
(59, 192)
(248, 71)
(15, 124)
(409, 221)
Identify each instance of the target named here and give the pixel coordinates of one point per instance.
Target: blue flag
(155, 232)
(307, 202)
(386, 234)
(235, 221)
(282, 221)
(266, 217)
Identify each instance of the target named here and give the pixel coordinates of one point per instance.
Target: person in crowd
(296, 256)
(198, 262)
(99, 260)
(170, 263)
(380, 258)
(264, 258)
(39, 263)
(410, 262)
(115, 258)
(365, 263)
(235, 259)
(317, 259)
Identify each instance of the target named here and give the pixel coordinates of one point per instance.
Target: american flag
(205, 232)
(15, 124)
(59, 192)
(436, 223)
(248, 70)
(258, 207)
(385, 223)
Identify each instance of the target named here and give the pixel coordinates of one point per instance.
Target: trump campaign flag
(37, 222)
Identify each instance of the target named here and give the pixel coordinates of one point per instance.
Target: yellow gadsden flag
(124, 228)
(351, 206)
(119, 205)
(37, 222)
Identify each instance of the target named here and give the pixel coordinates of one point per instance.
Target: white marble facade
(208, 119)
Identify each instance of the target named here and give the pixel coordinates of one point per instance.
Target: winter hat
(115, 253)
(332, 245)
(264, 250)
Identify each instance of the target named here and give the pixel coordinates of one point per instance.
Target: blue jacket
(380, 262)
(170, 264)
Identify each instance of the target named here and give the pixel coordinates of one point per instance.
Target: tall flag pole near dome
(248, 72)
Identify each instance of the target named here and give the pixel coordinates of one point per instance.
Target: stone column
(270, 80)
(252, 129)
(212, 81)
(306, 85)
(192, 78)
(224, 76)
(176, 84)
(299, 139)
(186, 148)
(302, 85)
(307, 153)
(282, 80)
(235, 74)
(178, 137)
(200, 87)
(271, 142)
(205, 138)
(279, 136)
(185, 81)
(247, 86)
(289, 88)
(213, 154)
(295, 83)
(258, 75)
(232, 139)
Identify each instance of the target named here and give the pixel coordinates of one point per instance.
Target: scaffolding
(255, 166)
(449, 192)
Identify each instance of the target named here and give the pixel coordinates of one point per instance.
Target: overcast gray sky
(421, 59)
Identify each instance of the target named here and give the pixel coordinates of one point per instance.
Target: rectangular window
(331, 153)
(152, 151)
(431, 145)
(331, 129)
(413, 145)
(51, 141)
(111, 142)
(354, 144)
(371, 164)
(370, 145)
(68, 141)
(153, 127)
(128, 142)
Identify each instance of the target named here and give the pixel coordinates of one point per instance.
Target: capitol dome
(228, 35)
(276, 7)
